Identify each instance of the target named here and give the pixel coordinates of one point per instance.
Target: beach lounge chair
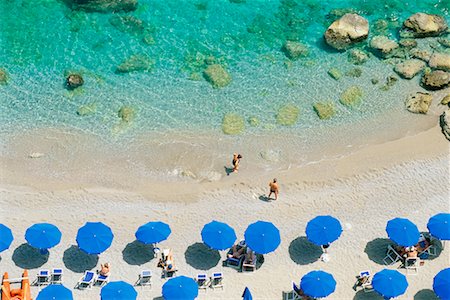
(392, 256)
(217, 280)
(412, 265)
(101, 280)
(145, 278)
(364, 281)
(202, 281)
(431, 249)
(249, 263)
(56, 276)
(43, 277)
(86, 281)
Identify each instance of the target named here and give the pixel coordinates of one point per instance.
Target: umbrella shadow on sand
(27, 257)
(137, 253)
(201, 257)
(361, 295)
(425, 294)
(376, 249)
(79, 261)
(304, 252)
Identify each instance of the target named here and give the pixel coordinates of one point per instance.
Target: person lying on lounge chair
(423, 244)
(105, 269)
(250, 256)
(237, 250)
(409, 252)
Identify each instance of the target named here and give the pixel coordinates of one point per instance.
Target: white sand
(408, 177)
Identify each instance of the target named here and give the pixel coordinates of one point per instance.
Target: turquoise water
(41, 40)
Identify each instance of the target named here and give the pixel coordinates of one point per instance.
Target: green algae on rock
(335, 73)
(351, 96)
(138, 62)
(217, 76)
(294, 50)
(87, 109)
(325, 110)
(232, 124)
(126, 113)
(288, 115)
(3, 77)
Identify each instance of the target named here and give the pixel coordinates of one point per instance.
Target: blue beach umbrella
(118, 290)
(55, 292)
(6, 237)
(43, 236)
(439, 226)
(218, 235)
(262, 237)
(389, 283)
(323, 230)
(247, 295)
(441, 284)
(180, 288)
(403, 232)
(94, 237)
(318, 284)
(153, 232)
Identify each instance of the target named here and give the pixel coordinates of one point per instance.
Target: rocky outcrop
(325, 110)
(357, 56)
(349, 29)
(104, 6)
(138, 62)
(382, 45)
(3, 77)
(446, 100)
(436, 80)
(351, 96)
(73, 81)
(424, 25)
(233, 124)
(419, 103)
(294, 50)
(444, 121)
(217, 76)
(409, 68)
(440, 61)
(288, 115)
(424, 55)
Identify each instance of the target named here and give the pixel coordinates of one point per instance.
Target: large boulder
(103, 5)
(217, 76)
(418, 103)
(349, 29)
(73, 81)
(233, 124)
(138, 62)
(436, 80)
(3, 77)
(440, 61)
(444, 121)
(382, 45)
(288, 115)
(294, 50)
(409, 68)
(423, 25)
(352, 96)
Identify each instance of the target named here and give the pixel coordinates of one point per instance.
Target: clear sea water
(41, 40)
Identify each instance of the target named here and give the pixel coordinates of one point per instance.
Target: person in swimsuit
(273, 185)
(235, 162)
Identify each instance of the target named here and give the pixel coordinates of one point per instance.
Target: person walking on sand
(273, 185)
(235, 162)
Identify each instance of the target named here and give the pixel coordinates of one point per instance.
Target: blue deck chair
(43, 277)
(86, 281)
(56, 276)
(101, 280)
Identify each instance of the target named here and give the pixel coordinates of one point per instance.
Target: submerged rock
(217, 76)
(436, 80)
(138, 62)
(446, 100)
(408, 43)
(127, 24)
(349, 29)
(424, 55)
(444, 121)
(87, 109)
(335, 73)
(288, 115)
(103, 5)
(325, 110)
(73, 81)
(419, 103)
(3, 77)
(351, 96)
(424, 25)
(382, 45)
(355, 72)
(126, 113)
(253, 121)
(444, 42)
(440, 61)
(295, 50)
(390, 81)
(409, 68)
(357, 56)
(233, 124)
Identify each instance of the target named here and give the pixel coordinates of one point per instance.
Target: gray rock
(382, 45)
(3, 77)
(419, 103)
(103, 5)
(409, 68)
(436, 80)
(357, 56)
(444, 121)
(73, 81)
(440, 61)
(295, 50)
(217, 76)
(138, 62)
(349, 29)
(424, 25)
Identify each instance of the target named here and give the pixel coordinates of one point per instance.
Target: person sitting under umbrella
(237, 250)
(105, 269)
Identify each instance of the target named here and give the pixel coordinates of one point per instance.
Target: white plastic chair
(392, 256)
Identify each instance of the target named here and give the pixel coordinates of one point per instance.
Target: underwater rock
(73, 81)
(357, 56)
(87, 109)
(217, 76)
(380, 27)
(374, 81)
(436, 80)
(440, 61)
(270, 155)
(3, 77)
(351, 96)
(138, 62)
(418, 103)
(148, 39)
(444, 121)
(335, 73)
(103, 5)
(238, 1)
(390, 81)
(444, 42)
(294, 50)
(408, 43)
(355, 72)
(233, 124)
(424, 55)
(349, 29)
(126, 113)
(288, 115)
(127, 24)
(325, 110)
(424, 25)
(446, 100)
(253, 121)
(409, 68)
(382, 45)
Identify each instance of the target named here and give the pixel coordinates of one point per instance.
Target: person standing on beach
(273, 185)
(235, 162)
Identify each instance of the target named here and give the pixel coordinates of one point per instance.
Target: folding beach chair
(145, 278)
(101, 280)
(56, 276)
(217, 280)
(412, 265)
(202, 281)
(392, 256)
(86, 281)
(43, 277)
